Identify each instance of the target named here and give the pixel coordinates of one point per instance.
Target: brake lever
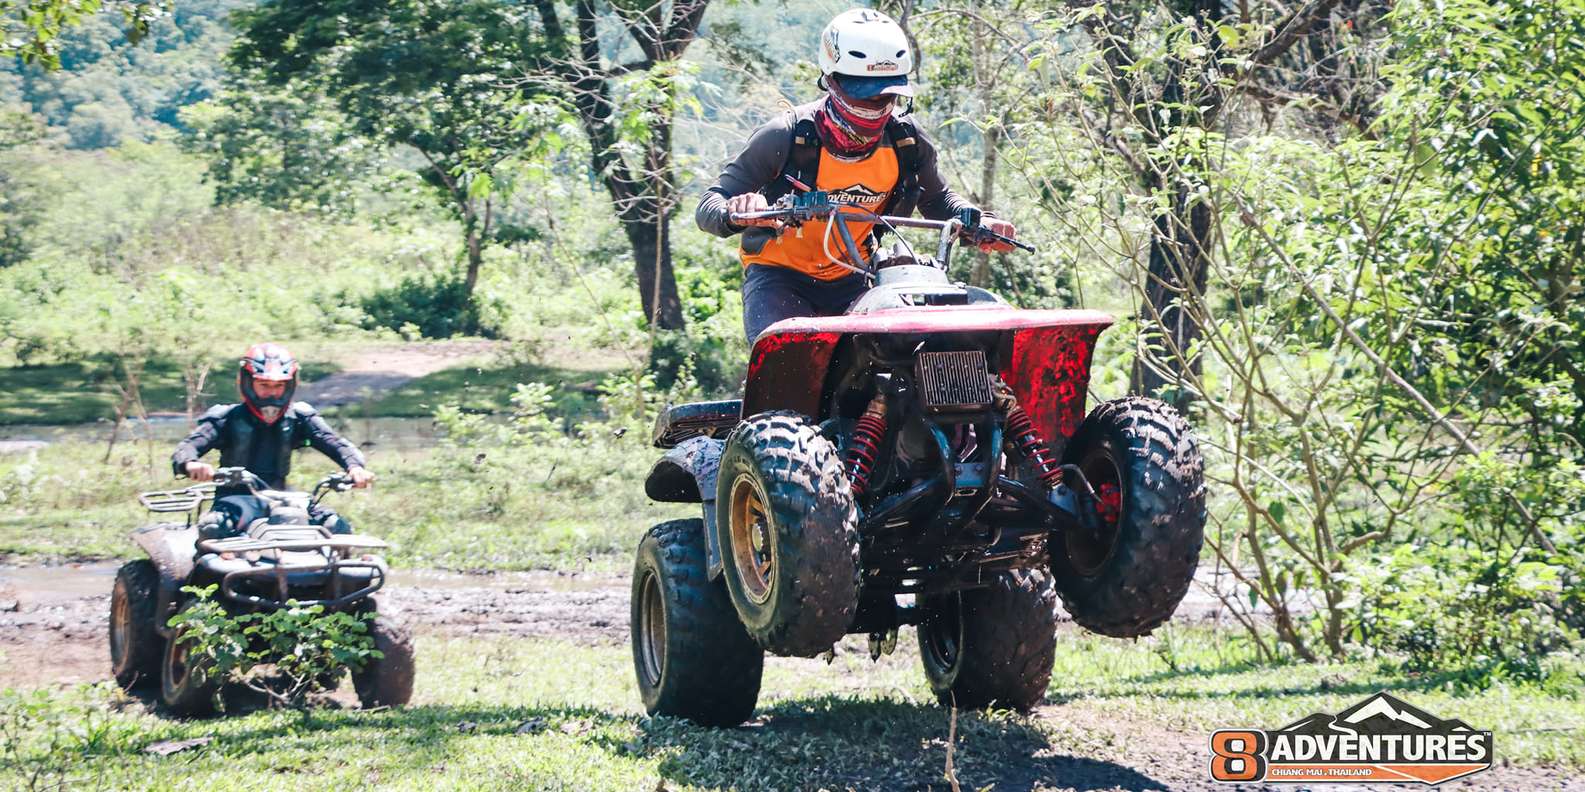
(980, 235)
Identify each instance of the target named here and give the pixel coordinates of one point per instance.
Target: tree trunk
(475, 261)
(1177, 273)
(981, 276)
(650, 235)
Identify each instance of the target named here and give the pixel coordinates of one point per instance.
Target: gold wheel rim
(753, 551)
(652, 631)
(177, 660)
(120, 626)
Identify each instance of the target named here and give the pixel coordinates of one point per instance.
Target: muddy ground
(53, 627)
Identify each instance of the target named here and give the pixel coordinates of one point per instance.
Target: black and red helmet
(267, 363)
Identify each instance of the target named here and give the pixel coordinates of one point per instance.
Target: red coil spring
(1031, 446)
(864, 446)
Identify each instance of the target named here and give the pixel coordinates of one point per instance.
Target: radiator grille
(951, 380)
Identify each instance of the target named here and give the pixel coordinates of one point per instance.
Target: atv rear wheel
(991, 646)
(386, 681)
(692, 656)
(135, 642)
(1141, 459)
(788, 533)
(187, 686)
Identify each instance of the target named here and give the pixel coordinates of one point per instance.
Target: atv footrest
(700, 419)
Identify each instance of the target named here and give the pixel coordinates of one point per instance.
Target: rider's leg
(326, 516)
(771, 294)
(230, 515)
(830, 298)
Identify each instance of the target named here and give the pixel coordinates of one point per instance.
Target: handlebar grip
(738, 217)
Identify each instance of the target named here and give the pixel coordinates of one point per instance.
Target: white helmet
(868, 52)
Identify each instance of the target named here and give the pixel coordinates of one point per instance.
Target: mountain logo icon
(858, 195)
(1382, 739)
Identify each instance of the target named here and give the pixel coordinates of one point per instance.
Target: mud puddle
(53, 619)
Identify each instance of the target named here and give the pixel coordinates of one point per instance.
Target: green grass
(560, 505)
(485, 388)
(853, 724)
(72, 393)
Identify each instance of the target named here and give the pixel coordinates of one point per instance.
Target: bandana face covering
(847, 127)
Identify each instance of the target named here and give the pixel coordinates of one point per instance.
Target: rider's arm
(325, 440)
(937, 201)
(756, 166)
(203, 438)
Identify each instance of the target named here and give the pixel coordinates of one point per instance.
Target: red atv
(923, 459)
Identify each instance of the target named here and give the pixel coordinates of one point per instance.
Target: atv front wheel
(991, 646)
(1142, 462)
(692, 656)
(788, 533)
(187, 686)
(135, 643)
(386, 681)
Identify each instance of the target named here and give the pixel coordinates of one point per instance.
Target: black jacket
(266, 450)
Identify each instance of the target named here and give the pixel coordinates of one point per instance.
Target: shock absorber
(1022, 432)
(865, 444)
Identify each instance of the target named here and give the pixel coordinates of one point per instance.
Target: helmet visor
(871, 87)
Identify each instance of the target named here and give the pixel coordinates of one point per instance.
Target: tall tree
(642, 184)
(422, 74)
(1172, 69)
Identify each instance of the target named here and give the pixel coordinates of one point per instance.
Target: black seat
(700, 419)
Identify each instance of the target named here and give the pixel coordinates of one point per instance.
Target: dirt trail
(370, 372)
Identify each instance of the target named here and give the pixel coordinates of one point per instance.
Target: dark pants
(771, 294)
(230, 515)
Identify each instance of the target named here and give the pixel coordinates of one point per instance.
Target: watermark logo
(1379, 740)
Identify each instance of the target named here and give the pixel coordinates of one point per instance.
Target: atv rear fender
(172, 548)
(1046, 357)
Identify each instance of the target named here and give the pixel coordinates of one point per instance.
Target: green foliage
(419, 74)
(304, 645)
(286, 147)
(1475, 620)
(30, 29)
(104, 88)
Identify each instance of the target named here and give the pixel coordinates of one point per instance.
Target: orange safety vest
(866, 183)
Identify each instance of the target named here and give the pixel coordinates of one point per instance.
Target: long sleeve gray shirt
(762, 160)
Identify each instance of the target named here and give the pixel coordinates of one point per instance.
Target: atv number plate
(954, 380)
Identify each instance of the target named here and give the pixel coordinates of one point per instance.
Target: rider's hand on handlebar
(751, 202)
(200, 471)
(361, 477)
(998, 226)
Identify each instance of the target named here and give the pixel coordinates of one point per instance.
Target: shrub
(305, 645)
(438, 306)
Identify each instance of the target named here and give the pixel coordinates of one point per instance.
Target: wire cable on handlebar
(825, 241)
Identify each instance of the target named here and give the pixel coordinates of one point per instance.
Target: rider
(849, 143)
(259, 434)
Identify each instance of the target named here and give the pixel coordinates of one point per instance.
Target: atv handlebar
(795, 210)
(242, 477)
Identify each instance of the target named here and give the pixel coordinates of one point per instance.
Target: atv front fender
(172, 548)
(686, 474)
